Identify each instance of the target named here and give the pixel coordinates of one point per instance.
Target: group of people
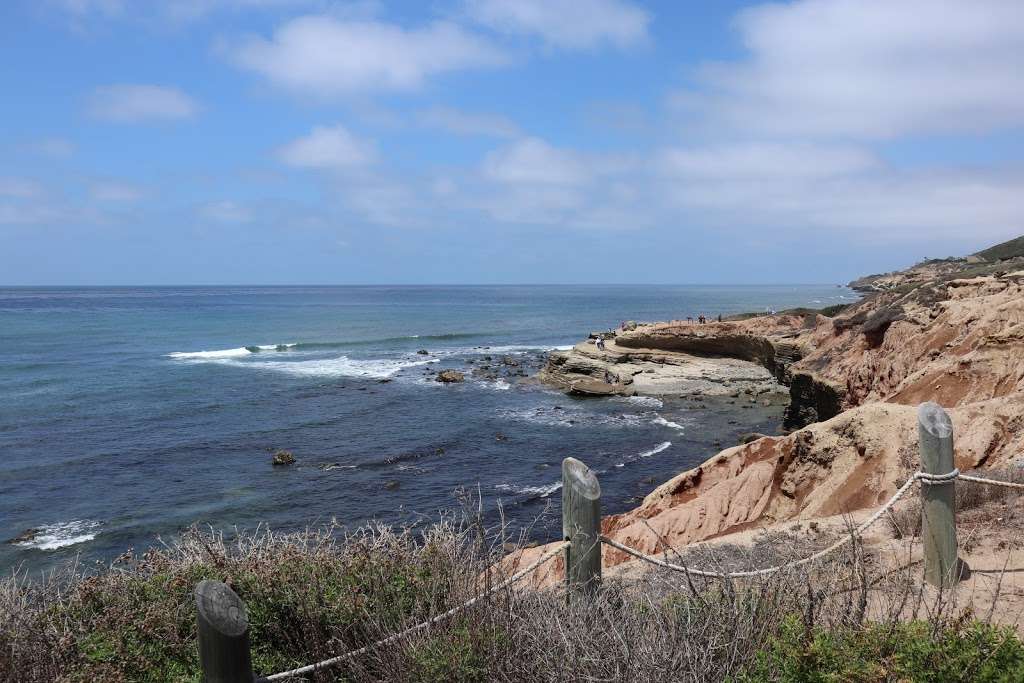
(702, 319)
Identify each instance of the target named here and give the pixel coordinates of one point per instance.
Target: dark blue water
(127, 413)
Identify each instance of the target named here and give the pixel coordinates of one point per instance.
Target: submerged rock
(25, 536)
(450, 376)
(283, 457)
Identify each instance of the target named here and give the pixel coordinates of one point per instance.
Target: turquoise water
(127, 413)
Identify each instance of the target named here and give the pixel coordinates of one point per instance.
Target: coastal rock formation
(450, 376)
(282, 457)
(586, 370)
(949, 331)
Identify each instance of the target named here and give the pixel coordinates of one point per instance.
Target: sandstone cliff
(949, 331)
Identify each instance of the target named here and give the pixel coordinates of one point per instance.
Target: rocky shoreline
(950, 331)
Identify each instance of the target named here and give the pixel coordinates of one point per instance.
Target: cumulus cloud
(466, 123)
(127, 103)
(328, 147)
(766, 161)
(869, 68)
(534, 161)
(566, 24)
(325, 56)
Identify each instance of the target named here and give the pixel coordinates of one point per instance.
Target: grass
(315, 594)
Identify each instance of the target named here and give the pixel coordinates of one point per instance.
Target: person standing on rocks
(600, 343)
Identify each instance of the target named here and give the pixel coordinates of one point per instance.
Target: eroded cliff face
(855, 382)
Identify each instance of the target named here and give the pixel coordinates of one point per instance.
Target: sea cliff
(949, 331)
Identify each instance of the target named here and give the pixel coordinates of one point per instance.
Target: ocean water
(128, 414)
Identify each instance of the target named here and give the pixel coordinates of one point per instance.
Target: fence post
(938, 523)
(223, 634)
(581, 526)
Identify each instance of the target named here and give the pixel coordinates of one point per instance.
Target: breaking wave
(343, 366)
(657, 449)
(667, 423)
(60, 535)
(532, 491)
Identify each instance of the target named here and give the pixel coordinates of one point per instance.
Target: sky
(504, 141)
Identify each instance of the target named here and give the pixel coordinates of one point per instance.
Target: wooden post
(938, 524)
(223, 634)
(581, 525)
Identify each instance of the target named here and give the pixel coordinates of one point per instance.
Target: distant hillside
(1009, 249)
(1007, 256)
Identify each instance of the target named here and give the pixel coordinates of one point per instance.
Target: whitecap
(240, 352)
(61, 534)
(657, 449)
(501, 385)
(646, 401)
(667, 423)
(540, 491)
(342, 366)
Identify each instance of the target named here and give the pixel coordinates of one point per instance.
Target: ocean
(129, 414)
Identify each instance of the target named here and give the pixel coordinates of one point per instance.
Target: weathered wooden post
(938, 523)
(223, 634)
(581, 526)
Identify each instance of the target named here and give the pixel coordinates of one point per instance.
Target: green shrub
(911, 651)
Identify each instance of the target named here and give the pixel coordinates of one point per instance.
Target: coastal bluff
(949, 331)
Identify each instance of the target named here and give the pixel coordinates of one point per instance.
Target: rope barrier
(992, 482)
(311, 668)
(925, 478)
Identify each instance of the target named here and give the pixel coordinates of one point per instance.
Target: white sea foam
(657, 449)
(646, 401)
(61, 534)
(667, 423)
(572, 417)
(343, 366)
(542, 491)
(501, 385)
(240, 352)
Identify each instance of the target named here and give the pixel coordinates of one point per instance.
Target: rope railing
(223, 626)
(925, 478)
(312, 668)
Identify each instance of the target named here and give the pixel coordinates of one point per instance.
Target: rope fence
(312, 668)
(925, 479)
(224, 652)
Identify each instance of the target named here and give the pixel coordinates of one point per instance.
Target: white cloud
(225, 212)
(325, 56)
(567, 24)
(767, 161)
(869, 68)
(328, 147)
(112, 191)
(19, 188)
(465, 123)
(133, 103)
(533, 161)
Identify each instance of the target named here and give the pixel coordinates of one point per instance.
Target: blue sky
(490, 141)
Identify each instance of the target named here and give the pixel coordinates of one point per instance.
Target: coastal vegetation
(315, 594)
